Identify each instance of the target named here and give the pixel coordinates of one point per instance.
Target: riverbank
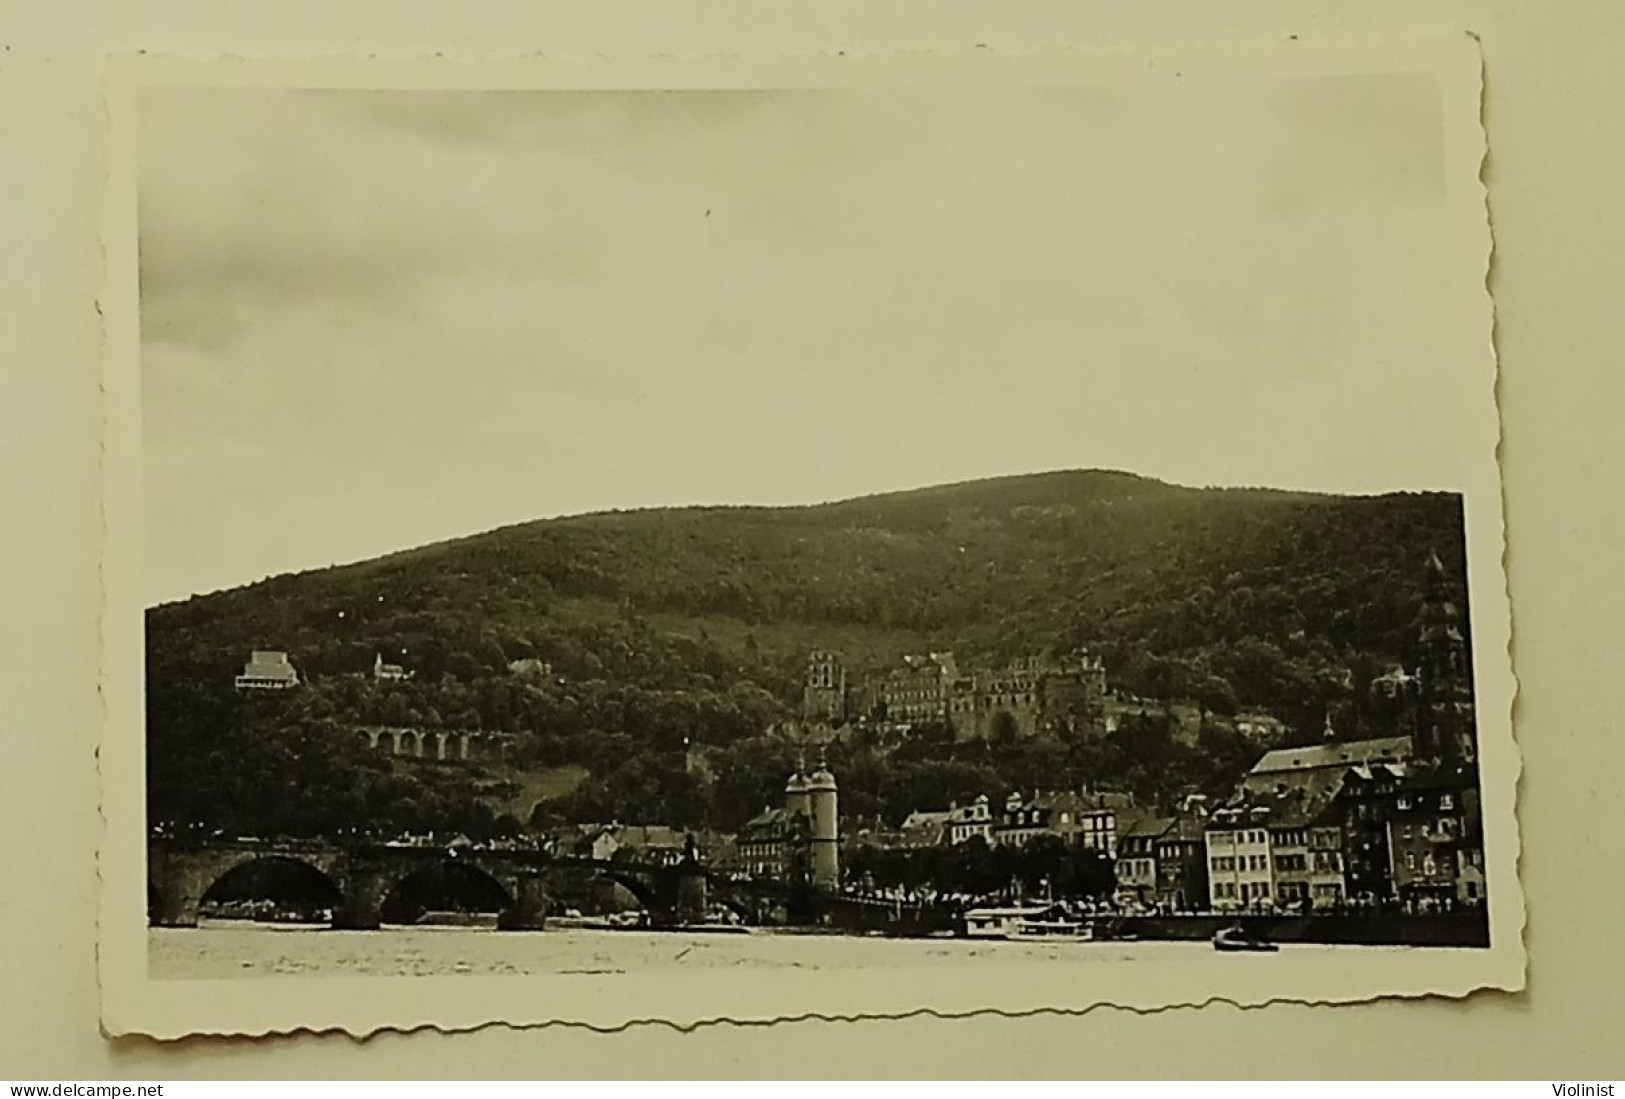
(1454, 929)
(236, 950)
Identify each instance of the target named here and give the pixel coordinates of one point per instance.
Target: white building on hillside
(267, 670)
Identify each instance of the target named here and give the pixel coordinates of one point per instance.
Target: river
(237, 949)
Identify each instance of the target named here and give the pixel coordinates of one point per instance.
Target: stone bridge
(362, 876)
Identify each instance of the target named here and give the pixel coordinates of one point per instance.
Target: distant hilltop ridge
(1015, 489)
(1276, 593)
(1047, 489)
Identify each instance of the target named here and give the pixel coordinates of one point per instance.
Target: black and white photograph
(907, 527)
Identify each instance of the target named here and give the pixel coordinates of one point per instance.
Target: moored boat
(1236, 939)
(1044, 922)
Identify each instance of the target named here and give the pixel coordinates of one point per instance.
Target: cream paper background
(1554, 176)
(1456, 453)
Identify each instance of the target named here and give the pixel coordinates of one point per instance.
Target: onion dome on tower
(825, 828)
(797, 799)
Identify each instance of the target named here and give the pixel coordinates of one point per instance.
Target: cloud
(434, 312)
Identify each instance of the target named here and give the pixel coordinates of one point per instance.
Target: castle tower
(823, 696)
(1444, 726)
(826, 865)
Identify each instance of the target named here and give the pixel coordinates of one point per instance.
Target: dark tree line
(664, 630)
(1045, 864)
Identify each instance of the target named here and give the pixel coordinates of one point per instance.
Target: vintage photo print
(693, 539)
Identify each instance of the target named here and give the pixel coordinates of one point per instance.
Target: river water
(236, 949)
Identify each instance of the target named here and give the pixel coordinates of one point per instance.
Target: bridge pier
(361, 908)
(692, 903)
(175, 907)
(529, 911)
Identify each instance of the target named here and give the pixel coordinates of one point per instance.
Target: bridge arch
(259, 884)
(746, 911)
(444, 884)
(640, 888)
(645, 885)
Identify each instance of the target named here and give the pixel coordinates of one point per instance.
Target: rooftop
(1148, 828)
(1292, 809)
(1392, 749)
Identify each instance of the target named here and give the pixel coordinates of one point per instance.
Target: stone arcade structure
(179, 874)
(461, 745)
(362, 876)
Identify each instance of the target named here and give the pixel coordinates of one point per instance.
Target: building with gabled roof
(1137, 857)
(975, 819)
(924, 829)
(1319, 768)
(1435, 840)
(1279, 850)
(267, 670)
(1182, 881)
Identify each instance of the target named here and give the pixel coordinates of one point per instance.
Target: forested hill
(1150, 574)
(697, 621)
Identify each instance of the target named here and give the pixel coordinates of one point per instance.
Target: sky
(372, 320)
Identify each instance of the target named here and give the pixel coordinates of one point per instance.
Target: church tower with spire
(1445, 731)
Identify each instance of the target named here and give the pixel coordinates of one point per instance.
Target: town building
(1328, 880)
(1097, 815)
(1363, 805)
(1181, 853)
(1306, 854)
(774, 845)
(1023, 819)
(869, 832)
(1238, 856)
(1319, 769)
(388, 672)
(1279, 851)
(1083, 819)
(975, 819)
(267, 670)
(654, 844)
(1436, 849)
(924, 829)
(1137, 859)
